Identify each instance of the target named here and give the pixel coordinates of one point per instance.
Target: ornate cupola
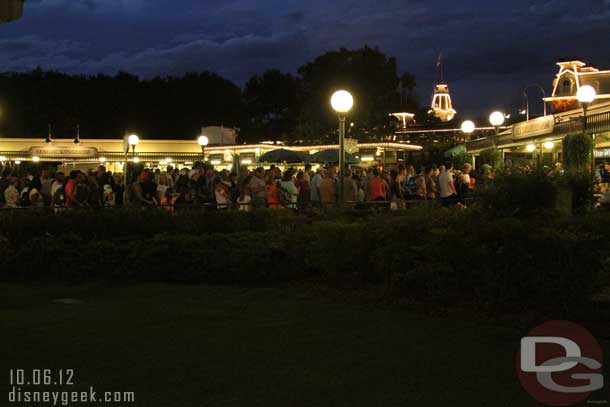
(441, 106)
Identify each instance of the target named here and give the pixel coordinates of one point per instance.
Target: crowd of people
(203, 186)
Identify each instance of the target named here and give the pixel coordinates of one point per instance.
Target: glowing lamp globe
(531, 148)
(136, 160)
(549, 145)
(102, 159)
(133, 140)
(586, 94)
(468, 127)
(496, 119)
(203, 141)
(36, 159)
(2, 158)
(342, 101)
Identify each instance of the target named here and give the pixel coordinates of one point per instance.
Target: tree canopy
(272, 105)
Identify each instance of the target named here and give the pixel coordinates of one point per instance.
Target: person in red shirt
(376, 189)
(70, 189)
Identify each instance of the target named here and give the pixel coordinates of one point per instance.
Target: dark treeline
(272, 105)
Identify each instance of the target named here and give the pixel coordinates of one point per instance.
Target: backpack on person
(284, 195)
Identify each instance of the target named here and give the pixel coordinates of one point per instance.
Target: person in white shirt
(316, 181)
(448, 193)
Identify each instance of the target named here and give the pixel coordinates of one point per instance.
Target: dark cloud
(491, 49)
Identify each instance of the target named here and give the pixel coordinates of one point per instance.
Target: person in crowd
(308, 173)
(446, 184)
(289, 193)
(385, 176)
(421, 190)
(350, 193)
(35, 199)
(70, 190)
(11, 193)
(273, 198)
(162, 186)
(46, 181)
(119, 190)
(148, 189)
(316, 182)
(431, 191)
(376, 190)
(82, 191)
(108, 197)
(244, 201)
(464, 183)
(233, 187)
(257, 189)
(302, 184)
(328, 190)
(4, 183)
(408, 183)
(95, 193)
(58, 182)
(222, 191)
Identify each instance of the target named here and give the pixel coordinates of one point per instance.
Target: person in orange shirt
(273, 199)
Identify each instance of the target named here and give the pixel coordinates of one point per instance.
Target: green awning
(457, 150)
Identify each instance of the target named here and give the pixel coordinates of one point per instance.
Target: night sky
(491, 48)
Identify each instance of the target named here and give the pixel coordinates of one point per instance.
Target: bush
(520, 193)
(491, 156)
(577, 153)
(442, 255)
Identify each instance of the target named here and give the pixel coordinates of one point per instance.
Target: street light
(549, 145)
(527, 101)
(468, 127)
(586, 95)
(342, 102)
(132, 140)
(496, 119)
(203, 142)
(531, 148)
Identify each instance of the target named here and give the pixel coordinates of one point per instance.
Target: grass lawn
(189, 346)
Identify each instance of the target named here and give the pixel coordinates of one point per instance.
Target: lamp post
(496, 119)
(132, 141)
(342, 102)
(468, 127)
(586, 95)
(203, 142)
(527, 101)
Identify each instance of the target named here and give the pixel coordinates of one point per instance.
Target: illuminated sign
(602, 153)
(532, 128)
(64, 152)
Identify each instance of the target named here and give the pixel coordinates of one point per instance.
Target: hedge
(438, 254)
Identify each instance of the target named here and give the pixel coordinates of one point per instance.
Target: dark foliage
(108, 106)
(436, 255)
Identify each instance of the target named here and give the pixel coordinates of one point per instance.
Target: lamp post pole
(132, 142)
(341, 159)
(203, 142)
(342, 102)
(527, 101)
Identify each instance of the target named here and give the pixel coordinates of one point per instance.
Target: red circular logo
(559, 363)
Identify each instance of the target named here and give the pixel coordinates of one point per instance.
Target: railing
(250, 206)
(598, 123)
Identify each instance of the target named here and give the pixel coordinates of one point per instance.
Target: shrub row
(445, 255)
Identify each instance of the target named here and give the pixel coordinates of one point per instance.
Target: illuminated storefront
(178, 153)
